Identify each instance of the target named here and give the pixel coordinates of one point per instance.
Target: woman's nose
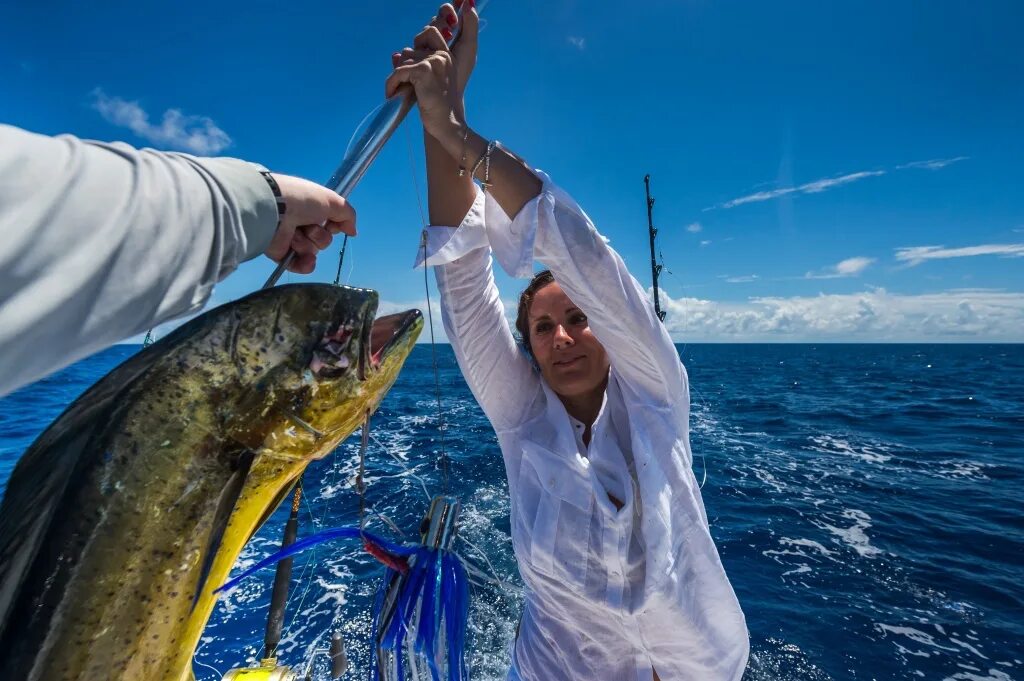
(562, 338)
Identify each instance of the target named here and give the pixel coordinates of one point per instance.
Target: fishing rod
(653, 232)
(358, 159)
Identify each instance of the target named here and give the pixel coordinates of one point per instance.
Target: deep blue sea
(867, 501)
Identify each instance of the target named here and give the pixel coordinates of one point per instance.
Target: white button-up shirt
(610, 593)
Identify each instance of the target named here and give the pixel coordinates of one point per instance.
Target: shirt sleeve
(500, 376)
(99, 242)
(554, 230)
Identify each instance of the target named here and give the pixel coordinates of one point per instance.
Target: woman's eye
(579, 318)
(542, 328)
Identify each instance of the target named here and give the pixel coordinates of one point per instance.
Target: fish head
(313, 362)
(295, 369)
(355, 362)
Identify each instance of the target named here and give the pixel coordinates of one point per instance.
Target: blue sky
(822, 172)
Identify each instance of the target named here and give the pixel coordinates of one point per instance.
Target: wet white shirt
(610, 594)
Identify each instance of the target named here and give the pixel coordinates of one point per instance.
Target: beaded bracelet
(476, 166)
(487, 163)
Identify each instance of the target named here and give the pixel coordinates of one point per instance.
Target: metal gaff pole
(359, 158)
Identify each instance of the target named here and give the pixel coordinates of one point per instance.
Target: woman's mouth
(570, 361)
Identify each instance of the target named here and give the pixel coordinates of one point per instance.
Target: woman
(622, 578)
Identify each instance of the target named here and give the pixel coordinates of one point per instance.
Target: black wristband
(277, 194)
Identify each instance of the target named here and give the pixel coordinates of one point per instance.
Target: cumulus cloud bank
(958, 315)
(872, 316)
(877, 315)
(195, 134)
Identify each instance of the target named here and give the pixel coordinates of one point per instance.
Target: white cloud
(815, 187)
(707, 242)
(818, 186)
(195, 134)
(871, 316)
(578, 42)
(915, 255)
(746, 279)
(694, 227)
(934, 164)
(851, 267)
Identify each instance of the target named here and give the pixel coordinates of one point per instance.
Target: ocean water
(867, 501)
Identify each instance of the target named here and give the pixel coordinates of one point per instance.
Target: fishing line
(359, 128)
(196, 660)
(405, 468)
(360, 482)
(490, 566)
(694, 391)
(341, 259)
(430, 314)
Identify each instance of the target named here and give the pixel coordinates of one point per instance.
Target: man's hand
(313, 215)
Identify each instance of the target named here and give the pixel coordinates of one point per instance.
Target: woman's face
(570, 358)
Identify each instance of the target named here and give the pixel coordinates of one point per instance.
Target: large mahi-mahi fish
(125, 514)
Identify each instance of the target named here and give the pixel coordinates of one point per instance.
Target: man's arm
(99, 242)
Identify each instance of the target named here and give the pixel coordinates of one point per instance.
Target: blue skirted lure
(421, 608)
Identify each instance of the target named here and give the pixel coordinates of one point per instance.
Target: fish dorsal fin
(39, 481)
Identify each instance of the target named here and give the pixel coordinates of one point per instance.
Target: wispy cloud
(818, 186)
(746, 279)
(694, 227)
(851, 267)
(815, 187)
(196, 134)
(706, 242)
(871, 316)
(915, 255)
(933, 164)
(578, 42)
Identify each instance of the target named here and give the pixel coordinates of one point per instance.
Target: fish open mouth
(331, 354)
(330, 358)
(387, 331)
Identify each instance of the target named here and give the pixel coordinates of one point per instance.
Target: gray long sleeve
(99, 242)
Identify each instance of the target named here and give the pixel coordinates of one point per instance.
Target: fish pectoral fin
(225, 507)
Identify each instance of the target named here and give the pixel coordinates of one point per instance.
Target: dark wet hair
(539, 281)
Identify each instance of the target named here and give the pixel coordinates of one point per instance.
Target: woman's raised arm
(499, 376)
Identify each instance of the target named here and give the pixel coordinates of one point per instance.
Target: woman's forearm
(512, 183)
(449, 196)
